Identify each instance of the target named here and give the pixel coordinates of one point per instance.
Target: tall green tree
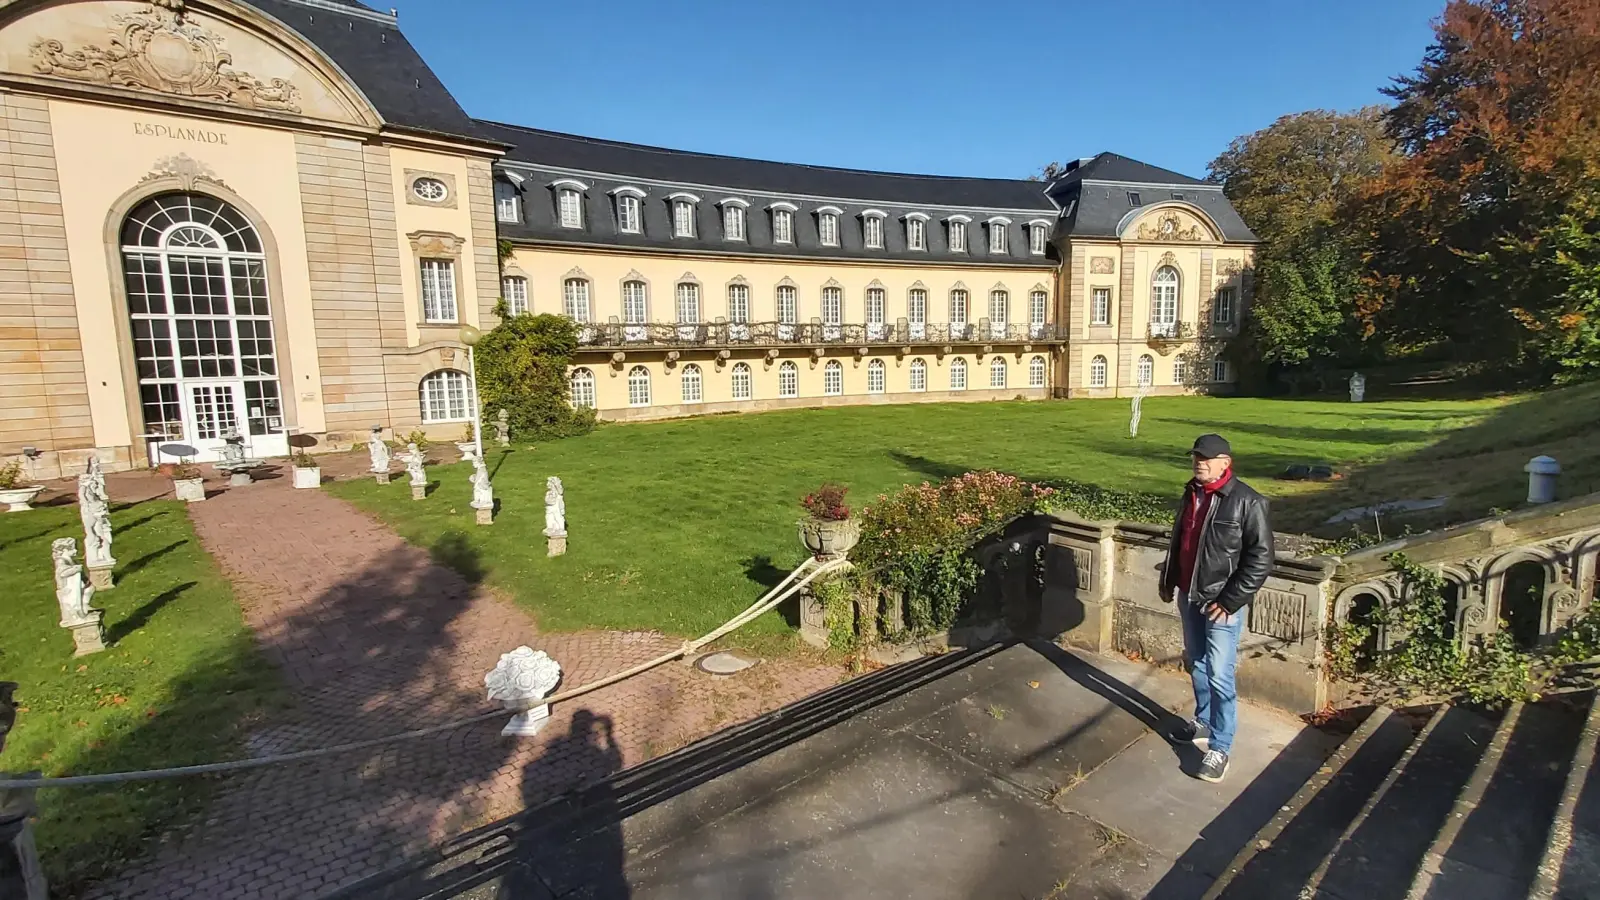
(522, 368)
(1292, 182)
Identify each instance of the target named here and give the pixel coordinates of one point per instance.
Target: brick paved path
(374, 638)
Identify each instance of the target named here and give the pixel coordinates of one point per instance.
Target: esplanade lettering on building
(179, 133)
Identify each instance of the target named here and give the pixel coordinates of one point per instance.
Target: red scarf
(1198, 503)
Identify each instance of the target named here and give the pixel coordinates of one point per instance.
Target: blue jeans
(1212, 649)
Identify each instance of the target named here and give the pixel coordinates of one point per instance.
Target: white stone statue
(73, 593)
(414, 460)
(1358, 388)
(502, 429)
(232, 449)
(95, 510)
(1144, 390)
(555, 508)
(482, 490)
(521, 679)
(380, 453)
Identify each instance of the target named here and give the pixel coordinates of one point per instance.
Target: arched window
(692, 386)
(635, 306)
(575, 299)
(1164, 302)
(958, 374)
(446, 396)
(997, 372)
(788, 380)
(1180, 371)
(875, 377)
(833, 378)
(1097, 372)
(1036, 372)
(583, 388)
(1147, 369)
(203, 338)
(638, 386)
(741, 382)
(919, 375)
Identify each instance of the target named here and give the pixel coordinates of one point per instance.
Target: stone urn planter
(829, 538)
(469, 450)
(307, 476)
(520, 682)
(17, 499)
(189, 490)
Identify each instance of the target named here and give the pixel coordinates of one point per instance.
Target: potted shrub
(188, 483)
(827, 529)
(16, 496)
(307, 474)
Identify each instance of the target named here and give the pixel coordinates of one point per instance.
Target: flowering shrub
(1095, 503)
(827, 503)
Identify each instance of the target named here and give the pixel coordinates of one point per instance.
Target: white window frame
(782, 225)
(917, 312)
(872, 229)
(1144, 371)
(569, 207)
(686, 292)
(630, 211)
(833, 306)
(430, 190)
(788, 380)
(1038, 240)
(999, 373)
(833, 379)
(1180, 370)
(958, 374)
(1219, 370)
(877, 377)
(877, 306)
(691, 384)
(635, 304)
(638, 386)
(999, 309)
(582, 387)
(437, 283)
(507, 203)
(739, 304)
(828, 226)
(916, 232)
(787, 298)
(1099, 371)
(1164, 300)
(733, 220)
(964, 307)
(1222, 306)
(742, 382)
(956, 227)
(575, 299)
(684, 215)
(445, 395)
(999, 241)
(1038, 372)
(1100, 314)
(515, 289)
(917, 380)
(1038, 311)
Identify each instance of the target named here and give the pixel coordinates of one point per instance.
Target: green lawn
(677, 525)
(179, 683)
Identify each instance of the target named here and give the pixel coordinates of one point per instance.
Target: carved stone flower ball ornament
(521, 679)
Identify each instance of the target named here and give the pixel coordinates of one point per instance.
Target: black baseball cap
(1210, 446)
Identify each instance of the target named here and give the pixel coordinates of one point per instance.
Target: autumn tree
(1484, 234)
(1292, 182)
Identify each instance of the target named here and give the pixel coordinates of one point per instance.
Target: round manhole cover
(723, 663)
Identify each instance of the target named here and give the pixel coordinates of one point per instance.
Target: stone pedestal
(240, 478)
(100, 577)
(556, 544)
(485, 517)
(89, 635)
(528, 723)
(419, 492)
(21, 876)
(813, 624)
(380, 477)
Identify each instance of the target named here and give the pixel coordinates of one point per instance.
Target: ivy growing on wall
(522, 368)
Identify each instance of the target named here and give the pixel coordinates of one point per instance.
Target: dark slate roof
(1098, 194)
(370, 49)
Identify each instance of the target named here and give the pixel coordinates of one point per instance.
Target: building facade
(270, 216)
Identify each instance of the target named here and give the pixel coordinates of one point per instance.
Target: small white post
(1542, 472)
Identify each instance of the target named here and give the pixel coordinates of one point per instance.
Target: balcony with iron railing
(1167, 332)
(816, 333)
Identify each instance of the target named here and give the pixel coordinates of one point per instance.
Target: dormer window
(997, 235)
(683, 206)
(783, 223)
(958, 233)
(828, 226)
(916, 231)
(569, 202)
(872, 229)
(1133, 199)
(733, 220)
(507, 203)
(1038, 237)
(629, 218)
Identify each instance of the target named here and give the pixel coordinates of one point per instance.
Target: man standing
(1220, 556)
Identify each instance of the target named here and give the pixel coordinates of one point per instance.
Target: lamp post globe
(470, 335)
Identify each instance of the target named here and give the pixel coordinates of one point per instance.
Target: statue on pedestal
(413, 460)
(502, 429)
(73, 595)
(379, 451)
(482, 492)
(1358, 388)
(94, 508)
(555, 516)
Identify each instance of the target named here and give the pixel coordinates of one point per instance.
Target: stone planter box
(189, 490)
(307, 477)
(829, 538)
(17, 499)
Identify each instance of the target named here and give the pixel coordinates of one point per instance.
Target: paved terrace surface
(1014, 771)
(373, 637)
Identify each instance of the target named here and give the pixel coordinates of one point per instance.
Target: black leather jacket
(1235, 552)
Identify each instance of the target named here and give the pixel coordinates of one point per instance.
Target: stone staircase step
(1282, 857)
(1570, 867)
(1379, 853)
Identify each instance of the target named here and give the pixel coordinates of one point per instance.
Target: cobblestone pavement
(373, 637)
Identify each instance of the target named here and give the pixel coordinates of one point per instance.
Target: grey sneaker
(1191, 732)
(1213, 766)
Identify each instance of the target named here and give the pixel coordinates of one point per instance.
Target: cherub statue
(379, 451)
(73, 592)
(414, 460)
(482, 490)
(95, 510)
(555, 508)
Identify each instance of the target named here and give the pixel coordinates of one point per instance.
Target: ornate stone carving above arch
(1170, 223)
(1168, 259)
(187, 170)
(436, 244)
(688, 278)
(576, 272)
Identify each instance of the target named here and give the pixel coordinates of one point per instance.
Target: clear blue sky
(980, 87)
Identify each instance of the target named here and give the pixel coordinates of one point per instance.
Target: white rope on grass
(784, 590)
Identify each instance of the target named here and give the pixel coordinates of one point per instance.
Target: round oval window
(430, 189)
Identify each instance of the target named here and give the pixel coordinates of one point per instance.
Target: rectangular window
(688, 303)
(875, 306)
(682, 219)
(515, 289)
(782, 226)
(958, 237)
(916, 234)
(1222, 309)
(733, 222)
(571, 208)
(917, 306)
(997, 237)
(1219, 370)
(507, 205)
(788, 305)
(634, 310)
(738, 304)
(1036, 240)
(575, 299)
(628, 214)
(1100, 307)
(832, 306)
(828, 229)
(1038, 301)
(1133, 199)
(958, 309)
(872, 232)
(438, 290)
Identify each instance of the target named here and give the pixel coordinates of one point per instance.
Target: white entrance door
(211, 413)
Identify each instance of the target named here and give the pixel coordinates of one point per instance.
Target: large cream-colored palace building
(270, 215)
